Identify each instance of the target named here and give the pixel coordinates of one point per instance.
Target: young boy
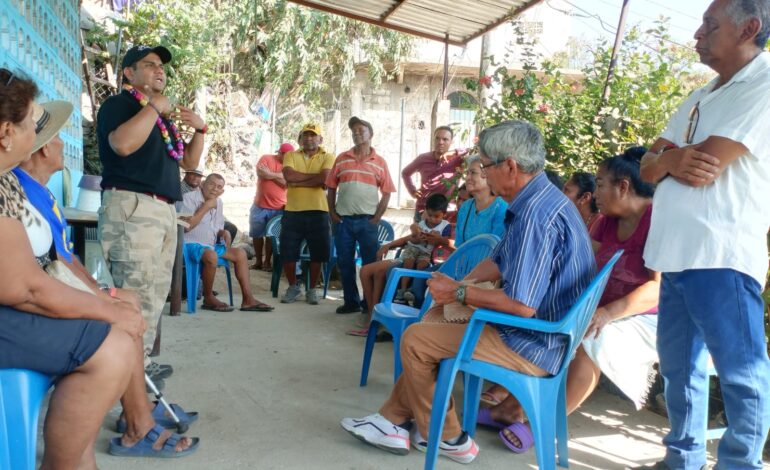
(432, 231)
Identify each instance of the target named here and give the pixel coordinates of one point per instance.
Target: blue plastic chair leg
(192, 274)
(397, 368)
(21, 393)
(444, 384)
(562, 437)
(471, 395)
(542, 422)
(368, 348)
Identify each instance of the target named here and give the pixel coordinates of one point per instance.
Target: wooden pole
(615, 47)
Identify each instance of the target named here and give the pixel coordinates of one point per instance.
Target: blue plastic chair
(544, 399)
(397, 317)
(273, 231)
(21, 393)
(193, 274)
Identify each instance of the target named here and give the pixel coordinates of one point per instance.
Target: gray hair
(740, 11)
(517, 140)
(471, 159)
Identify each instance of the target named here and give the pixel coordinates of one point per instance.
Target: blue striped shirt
(546, 261)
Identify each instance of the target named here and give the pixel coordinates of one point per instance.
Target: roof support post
(615, 47)
(445, 83)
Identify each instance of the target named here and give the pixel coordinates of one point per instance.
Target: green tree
(651, 79)
(300, 54)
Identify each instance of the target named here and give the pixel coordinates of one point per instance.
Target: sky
(685, 16)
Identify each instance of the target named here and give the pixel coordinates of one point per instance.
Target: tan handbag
(455, 312)
(61, 272)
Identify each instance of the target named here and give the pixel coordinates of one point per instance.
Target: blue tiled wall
(39, 38)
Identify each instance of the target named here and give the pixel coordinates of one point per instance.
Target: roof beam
(502, 20)
(393, 9)
(354, 16)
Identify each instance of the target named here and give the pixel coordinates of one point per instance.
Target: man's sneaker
(158, 371)
(379, 432)
(292, 294)
(311, 297)
(464, 451)
(348, 309)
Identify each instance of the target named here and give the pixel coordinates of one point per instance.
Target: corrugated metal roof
(457, 21)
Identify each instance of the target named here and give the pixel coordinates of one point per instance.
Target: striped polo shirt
(546, 261)
(359, 183)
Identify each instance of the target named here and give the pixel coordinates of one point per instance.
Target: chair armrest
(490, 316)
(396, 275)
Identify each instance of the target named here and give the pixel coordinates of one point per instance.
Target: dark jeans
(354, 229)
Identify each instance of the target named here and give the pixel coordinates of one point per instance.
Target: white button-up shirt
(722, 225)
(211, 223)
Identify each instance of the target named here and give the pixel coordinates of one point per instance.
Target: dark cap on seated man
(137, 53)
(355, 120)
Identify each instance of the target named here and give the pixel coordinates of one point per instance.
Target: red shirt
(629, 272)
(433, 174)
(270, 195)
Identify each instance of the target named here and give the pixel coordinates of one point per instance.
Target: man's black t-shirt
(148, 170)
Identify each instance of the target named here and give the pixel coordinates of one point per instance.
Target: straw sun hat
(49, 118)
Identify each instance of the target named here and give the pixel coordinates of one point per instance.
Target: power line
(674, 10)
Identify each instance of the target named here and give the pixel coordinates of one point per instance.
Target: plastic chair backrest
(385, 232)
(21, 393)
(579, 316)
(464, 259)
(273, 228)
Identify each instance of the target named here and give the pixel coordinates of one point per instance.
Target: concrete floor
(272, 387)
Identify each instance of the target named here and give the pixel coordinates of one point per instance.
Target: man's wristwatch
(460, 294)
(106, 288)
(202, 130)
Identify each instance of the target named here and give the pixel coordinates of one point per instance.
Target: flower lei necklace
(175, 153)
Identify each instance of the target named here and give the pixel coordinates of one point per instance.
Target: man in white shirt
(208, 240)
(707, 236)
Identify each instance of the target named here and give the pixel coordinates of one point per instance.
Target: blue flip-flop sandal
(161, 418)
(144, 448)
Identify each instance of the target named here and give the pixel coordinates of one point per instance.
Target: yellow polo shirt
(307, 199)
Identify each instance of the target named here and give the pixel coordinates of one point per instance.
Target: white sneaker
(464, 451)
(379, 432)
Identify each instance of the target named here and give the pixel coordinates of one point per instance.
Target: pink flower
(543, 108)
(518, 92)
(486, 80)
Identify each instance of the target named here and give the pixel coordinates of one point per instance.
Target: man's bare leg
(241, 264)
(268, 263)
(208, 272)
(258, 243)
(82, 399)
(137, 410)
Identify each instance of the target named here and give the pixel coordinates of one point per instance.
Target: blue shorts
(258, 219)
(52, 346)
(196, 249)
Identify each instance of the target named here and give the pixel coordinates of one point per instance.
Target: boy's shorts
(412, 252)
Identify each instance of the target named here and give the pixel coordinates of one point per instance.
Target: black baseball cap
(137, 53)
(355, 120)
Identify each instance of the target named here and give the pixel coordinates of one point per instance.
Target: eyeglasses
(489, 165)
(693, 124)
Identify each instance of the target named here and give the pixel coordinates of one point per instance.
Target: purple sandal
(524, 434)
(484, 418)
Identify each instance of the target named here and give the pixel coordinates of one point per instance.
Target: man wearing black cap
(141, 151)
(359, 188)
